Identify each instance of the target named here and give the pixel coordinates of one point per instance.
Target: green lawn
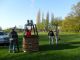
(68, 48)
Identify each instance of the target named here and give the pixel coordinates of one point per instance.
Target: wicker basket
(31, 43)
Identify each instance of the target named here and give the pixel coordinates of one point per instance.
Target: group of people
(13, 40)
(51, 36)
(14, 44)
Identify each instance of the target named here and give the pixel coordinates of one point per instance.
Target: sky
(17, 12)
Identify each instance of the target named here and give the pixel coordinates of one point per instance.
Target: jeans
(12, 46)
(56, 39)
(17, 46)
(51, 38)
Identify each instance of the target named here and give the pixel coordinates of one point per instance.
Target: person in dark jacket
(13, 41)
(51, 37)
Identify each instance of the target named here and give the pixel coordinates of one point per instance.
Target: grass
(68, 48)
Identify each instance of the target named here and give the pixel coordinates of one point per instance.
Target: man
(13, 41)
(51, 37)
(57, 36)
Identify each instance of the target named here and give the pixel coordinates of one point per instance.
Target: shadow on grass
(74, 42)
(42, 57)
(58, 47)
(70, 36)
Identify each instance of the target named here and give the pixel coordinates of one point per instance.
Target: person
(57, 36)
(51, 37)
(13, 41)
(28, 33)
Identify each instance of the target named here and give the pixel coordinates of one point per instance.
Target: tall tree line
(71, 23)
(45, 24)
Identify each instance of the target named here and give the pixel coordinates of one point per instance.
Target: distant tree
(72, 21)
(7, 30)
(76, 9)
(52, 19)
(38, 19)
(43, 22)
(56, 21)
(47, 21)
(42, 17)
(71, 24)
(16, 28)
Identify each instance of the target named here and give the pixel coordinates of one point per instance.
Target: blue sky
(16, 12)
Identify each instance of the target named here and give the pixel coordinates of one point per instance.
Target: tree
(47, 21)
(57, 22)
(43, 22)
(76, 9)
(52, 19)
(72, 21)
(71, 24)
(38, 19)
(76, 13)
